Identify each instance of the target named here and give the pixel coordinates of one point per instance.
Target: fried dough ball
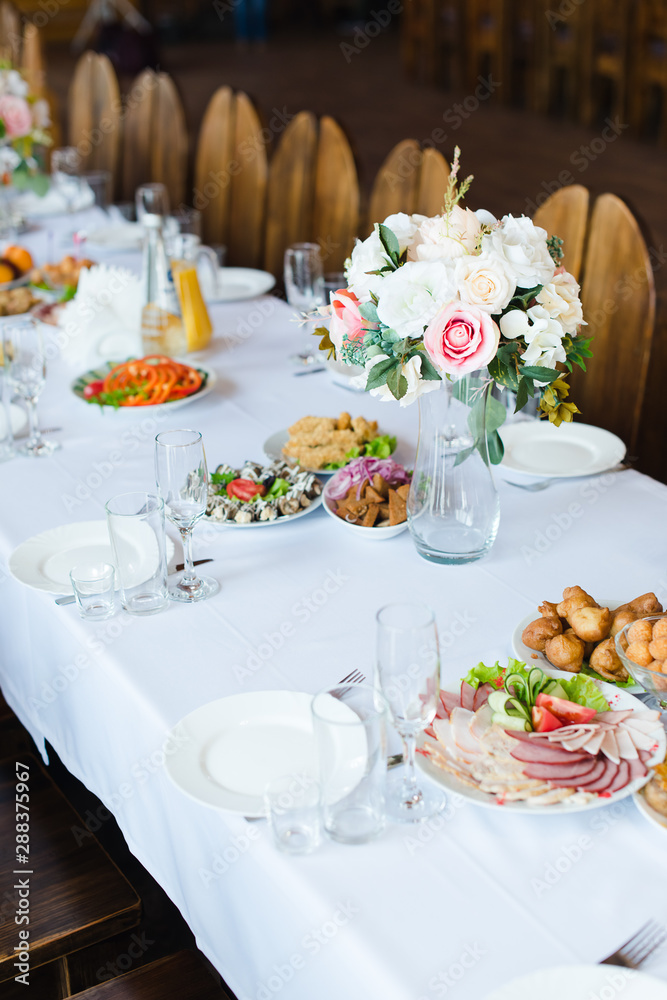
(647, 604)
(639, 653)
(620, 620)
(566, 652)
(574, 598)
(548, 609)
(591, 624)
(660, 628)
(641, 631)
(656, 790)
(658, 647)
(607, 662)
(536, 634)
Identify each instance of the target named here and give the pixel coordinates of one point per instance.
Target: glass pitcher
(193, 267)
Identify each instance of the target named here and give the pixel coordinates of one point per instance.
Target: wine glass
(25, 371)
(304, 286)
(151, 199)
(408, 664)
(182, 482)
(65, 174)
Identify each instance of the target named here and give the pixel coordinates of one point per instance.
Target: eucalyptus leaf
(369, 311)
(496, 448)
(462, 455)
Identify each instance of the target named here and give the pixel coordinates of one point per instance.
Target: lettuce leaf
(589, 672)
(584, 691)
(481, 674)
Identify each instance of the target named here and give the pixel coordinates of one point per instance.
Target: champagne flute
(25, 371)
(408, 664)
(182, 482)
(304, 287)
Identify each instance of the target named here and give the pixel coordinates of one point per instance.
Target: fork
(354, 677)
(639, 947)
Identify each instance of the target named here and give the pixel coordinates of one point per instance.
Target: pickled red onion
(360, 470)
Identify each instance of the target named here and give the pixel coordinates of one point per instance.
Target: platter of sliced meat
(573, 768)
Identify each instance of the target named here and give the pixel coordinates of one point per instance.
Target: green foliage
(325, 341)
(555, 247)
(577, 349)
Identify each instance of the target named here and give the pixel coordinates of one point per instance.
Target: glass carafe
(193, 266)
(162, 328)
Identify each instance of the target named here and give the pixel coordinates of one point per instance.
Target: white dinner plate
(273, 447)
(618, 699)
(651, 814)
(539, 448)
(237, 283)
(281, 519)
(229, 749)
(45, 560)
(119, 236)
(535, 659)
(18, 417)
(582, 982)
(95, 374)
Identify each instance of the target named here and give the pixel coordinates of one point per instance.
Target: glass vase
(453, 506)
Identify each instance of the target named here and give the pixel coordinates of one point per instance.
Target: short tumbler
(136, 530)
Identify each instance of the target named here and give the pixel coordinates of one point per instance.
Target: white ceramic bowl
(373, 534)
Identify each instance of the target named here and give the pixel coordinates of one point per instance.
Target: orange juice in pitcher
(196, 320)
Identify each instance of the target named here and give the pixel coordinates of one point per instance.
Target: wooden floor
(517, 157)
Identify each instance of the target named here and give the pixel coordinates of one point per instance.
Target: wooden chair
(618, 297)
(10, 33)
(565, 214)
(605, 50)
(155, 139)
(410, 180)
(313, 193)
(230, 177)
(32, 59)
(94, 113)
(77, 895)
(177, 977)
(648, 65)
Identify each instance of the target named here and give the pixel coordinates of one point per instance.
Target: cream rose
(411, 296)
(523, 247)
(484, 281)
(15, 113)
(446, 236)
(367, 256)
(542, 334)
(560, 298)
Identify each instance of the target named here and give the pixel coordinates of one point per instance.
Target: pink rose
(15, 113)
(461, 339)
(346, 320)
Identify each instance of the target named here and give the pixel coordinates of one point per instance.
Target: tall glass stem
(189, 579)
(411, 789)
(35, 439)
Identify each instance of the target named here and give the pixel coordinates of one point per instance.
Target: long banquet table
(455, 907)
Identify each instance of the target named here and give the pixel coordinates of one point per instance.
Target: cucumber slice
(511, 721)
(556, 690)
(498, 700)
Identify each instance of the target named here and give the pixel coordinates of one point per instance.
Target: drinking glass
(93, 586)
(293, 810)
(25, 370)
(6, 429)
(151, 199)
(304, 282)
(182, 482)
(136, 532)
(408, 664)
(65, 171)
(100, 183)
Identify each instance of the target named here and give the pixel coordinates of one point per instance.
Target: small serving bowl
(653, 681)
(373, 534)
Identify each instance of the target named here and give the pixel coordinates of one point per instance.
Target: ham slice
(482, 695)
(605, 779)
(449, 702)
(637, 769)
(537, 753)
(624, 742)
(610, 747)
(460, 720)
(621, 779)
(481, 721)
(581, 781)
(613, 716)
(444, 733)
(467, 696)
(574, 770)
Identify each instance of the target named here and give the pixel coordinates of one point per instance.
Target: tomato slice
(566, 711)
(245, 489)
(93, 389)
(544, 721)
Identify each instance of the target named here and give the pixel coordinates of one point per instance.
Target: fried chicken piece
(548, 609)
(573, 599)
(591, 624)
(647, 604)
(366, 429)
(607, 662)
(620, 620)
(344, 421)
(566, 652)
(535, 634)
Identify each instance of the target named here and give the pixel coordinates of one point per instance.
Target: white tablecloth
(453, 908)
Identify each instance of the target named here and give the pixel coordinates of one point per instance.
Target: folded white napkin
(103, 320)
(72, 197)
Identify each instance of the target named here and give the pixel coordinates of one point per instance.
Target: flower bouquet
(24, 122)
(461, 302)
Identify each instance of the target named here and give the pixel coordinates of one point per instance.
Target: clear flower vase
(453, 506)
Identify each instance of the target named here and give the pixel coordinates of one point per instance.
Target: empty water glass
(136, 530)
(65, 171)
(99, 182)
(151, 199)
(304, 281)
(293, 809)
(25, 371)
(93, 586)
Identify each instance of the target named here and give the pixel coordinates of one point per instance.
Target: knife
(70, 598)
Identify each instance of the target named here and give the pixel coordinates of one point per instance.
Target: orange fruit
(20, 257)
(6, 273)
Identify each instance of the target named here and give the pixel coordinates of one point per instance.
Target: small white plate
(281, 519)
(18, 417)
(539, 448)
(535, 659)
(618, 700)
(120, 236)
(371, 534)
(237, 283)
(651, 814)
(44, 561)
(229, 749)
(582, 982)
(95, 374)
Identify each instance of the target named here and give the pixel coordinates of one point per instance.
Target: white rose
(404, 227)
(542, 334)
(367, 256)
(560, 298)
(411, 296)
(11, 82)
(412, 372)
(524, 248)
(41, 115)
(446, 236)
(9, 160)
(484, 281)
